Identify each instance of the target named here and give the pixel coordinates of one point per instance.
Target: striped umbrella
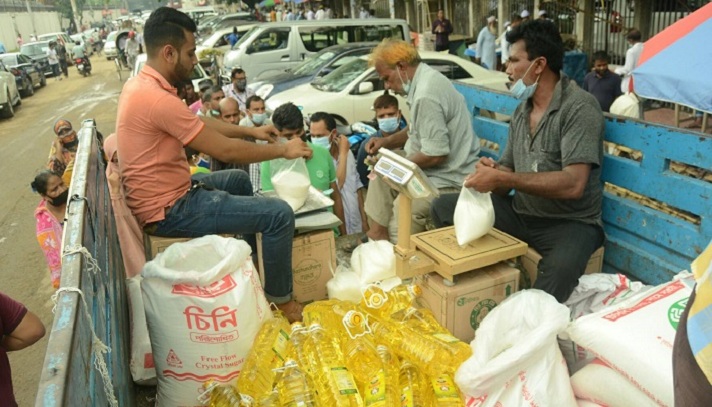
(674, 66)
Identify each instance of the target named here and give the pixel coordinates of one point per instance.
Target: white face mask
(405, 85)
(259, 118)
(321, 141)
(521, 91)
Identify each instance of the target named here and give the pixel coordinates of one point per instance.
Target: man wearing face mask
(256, 117)
(390, 121)
(322, 129)
(552, 161)
(238, 88)
(440, 139)
(63, 150)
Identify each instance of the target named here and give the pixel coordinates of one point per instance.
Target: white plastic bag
(593, 293)
(374, 261)
(204, 305)
(516, 360)
(602, 385)
(474, 215)
(290, 179)
(635, 337)
(143, 370)
(345, 285)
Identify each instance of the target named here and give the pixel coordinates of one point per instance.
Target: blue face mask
(521, 91)
(389, 124)
(259, 118)
(321, 141)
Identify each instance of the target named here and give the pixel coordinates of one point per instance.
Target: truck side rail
(656, 203)
(70, 376)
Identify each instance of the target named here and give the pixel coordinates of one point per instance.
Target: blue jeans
(222, 203)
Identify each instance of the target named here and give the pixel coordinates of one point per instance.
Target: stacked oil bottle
(385, 351)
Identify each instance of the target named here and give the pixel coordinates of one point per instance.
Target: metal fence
(91, 298)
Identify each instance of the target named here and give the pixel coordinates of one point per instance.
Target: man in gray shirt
(552, 160)
(440, 139)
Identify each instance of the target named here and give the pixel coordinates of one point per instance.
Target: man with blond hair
(440, 139)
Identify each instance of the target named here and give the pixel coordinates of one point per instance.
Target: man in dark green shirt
(552, 161)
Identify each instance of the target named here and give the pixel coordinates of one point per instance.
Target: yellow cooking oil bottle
(383, 303)
(293, 387)
(268, 352)
(334, 383)
(445, 392)
(219, 395)
(422, 320)
(270, 399)
(414, 389)
(383, 390)
(424, 351)
(359, 350)
(329, 314)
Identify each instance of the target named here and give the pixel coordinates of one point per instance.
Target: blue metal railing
(642, 241)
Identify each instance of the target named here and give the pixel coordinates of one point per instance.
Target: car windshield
(47, 37)
(34, 49)
(208, 43)
(342, 76)
(247, 35)
(312, 65)
(9, 60)
(112, 36)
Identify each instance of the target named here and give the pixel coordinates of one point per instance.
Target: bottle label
(344, 380)
(279, 347)
(407, 397)
(445, 389)
(446, 338)
(376, 390)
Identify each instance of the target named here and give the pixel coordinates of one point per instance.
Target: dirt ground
(27, 139)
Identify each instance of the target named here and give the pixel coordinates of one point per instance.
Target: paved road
(25, 141)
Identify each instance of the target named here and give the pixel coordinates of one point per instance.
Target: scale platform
(450, 259)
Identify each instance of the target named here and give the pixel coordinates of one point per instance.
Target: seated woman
(63, 150)
(49, 215)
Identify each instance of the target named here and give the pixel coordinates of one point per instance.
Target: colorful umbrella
(674, 66)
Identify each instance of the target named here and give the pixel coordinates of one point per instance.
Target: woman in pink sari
(49, 215)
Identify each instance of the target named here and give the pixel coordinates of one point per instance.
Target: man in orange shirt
(153, 125)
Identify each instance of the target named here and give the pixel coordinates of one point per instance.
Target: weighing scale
(435, 250)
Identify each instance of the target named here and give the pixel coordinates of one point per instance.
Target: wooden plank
(652, 225)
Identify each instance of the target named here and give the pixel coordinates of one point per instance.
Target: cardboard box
(156, 244)
(462, 307)
(452, 259)
(530, 262)
(313, 259)
(153, 245)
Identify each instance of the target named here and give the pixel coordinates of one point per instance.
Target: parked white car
(349, 91)
(218, 40)
(9, 95)
(198, 75)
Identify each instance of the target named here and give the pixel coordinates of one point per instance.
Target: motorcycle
(82, 66)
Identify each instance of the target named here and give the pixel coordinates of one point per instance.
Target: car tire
(108, 58)
(29, 88)
(8, 111)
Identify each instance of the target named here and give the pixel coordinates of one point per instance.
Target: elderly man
(486, 49)
(440, 139)
(552, 161)
(238, 88)
(152, 128)
(229, 112)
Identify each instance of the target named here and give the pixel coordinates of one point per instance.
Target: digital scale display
(403, 175)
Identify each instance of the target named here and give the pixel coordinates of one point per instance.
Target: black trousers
(565, 245)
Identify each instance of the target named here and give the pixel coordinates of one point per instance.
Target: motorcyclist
(78, 52)
(132, 47)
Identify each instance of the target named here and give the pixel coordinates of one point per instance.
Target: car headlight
(264, 91)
